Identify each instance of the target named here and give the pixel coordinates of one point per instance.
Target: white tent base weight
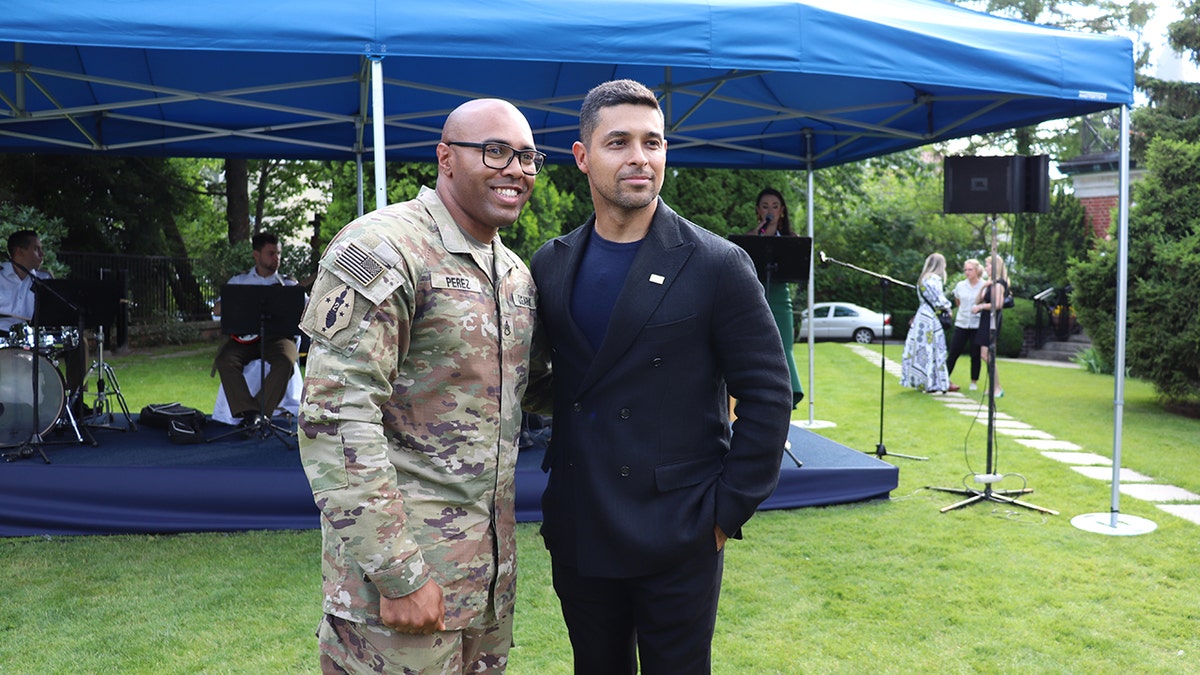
(1102, 523)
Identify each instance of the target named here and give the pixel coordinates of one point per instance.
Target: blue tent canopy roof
(743, 82)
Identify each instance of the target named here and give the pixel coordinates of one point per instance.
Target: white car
(844, 321)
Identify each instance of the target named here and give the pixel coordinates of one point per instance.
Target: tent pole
(1122, 305)
(377, 127)
(358, 175)
(1113, 522)
(808, 209)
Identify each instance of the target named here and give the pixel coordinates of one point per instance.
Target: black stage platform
(139, 482)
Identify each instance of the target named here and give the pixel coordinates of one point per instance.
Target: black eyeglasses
(498, 156)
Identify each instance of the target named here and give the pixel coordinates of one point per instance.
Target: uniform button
(656, 362)
(624, 413)
(624, 471)
(577, 406)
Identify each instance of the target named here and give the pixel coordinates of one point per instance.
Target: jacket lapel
(556, 290)
(655, 268)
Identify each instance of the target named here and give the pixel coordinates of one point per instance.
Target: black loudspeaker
(1012, 184)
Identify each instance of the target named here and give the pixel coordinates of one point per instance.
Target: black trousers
(964, 337)
(665, 620)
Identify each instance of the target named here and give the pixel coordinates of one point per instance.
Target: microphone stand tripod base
(988, 494)
(881, 452)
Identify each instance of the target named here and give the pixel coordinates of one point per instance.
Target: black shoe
(250, 424)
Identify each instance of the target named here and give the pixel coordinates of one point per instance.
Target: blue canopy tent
(744, 83)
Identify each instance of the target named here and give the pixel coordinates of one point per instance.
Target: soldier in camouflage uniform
(421, 323)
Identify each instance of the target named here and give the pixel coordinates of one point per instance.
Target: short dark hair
(608, 94)
(261, 239)
(20, 239)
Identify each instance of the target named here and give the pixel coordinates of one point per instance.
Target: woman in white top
(966, 322)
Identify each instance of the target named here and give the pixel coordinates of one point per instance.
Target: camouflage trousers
(348, 647)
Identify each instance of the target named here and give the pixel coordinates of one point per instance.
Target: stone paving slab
(1186, 511)
(1105, 473)
(960, 405)
(1081, 458)
(1038, 444)
(982, 417)
(1025, 433)
(1159, 493)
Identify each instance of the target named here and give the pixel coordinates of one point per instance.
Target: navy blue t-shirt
(598, 282)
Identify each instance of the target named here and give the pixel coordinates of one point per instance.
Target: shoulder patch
(334, 310)
(359, 263)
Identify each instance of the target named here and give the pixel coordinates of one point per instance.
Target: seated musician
(17, 296)
(281, 353)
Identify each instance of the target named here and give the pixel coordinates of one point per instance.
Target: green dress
(779, 297)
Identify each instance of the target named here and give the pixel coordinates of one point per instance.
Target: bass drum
(16, 395)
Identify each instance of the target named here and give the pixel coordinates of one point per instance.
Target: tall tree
(1164, 244)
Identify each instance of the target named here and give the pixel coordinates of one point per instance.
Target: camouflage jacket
(411, 412)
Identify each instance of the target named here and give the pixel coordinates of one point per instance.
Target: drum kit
(34, 397)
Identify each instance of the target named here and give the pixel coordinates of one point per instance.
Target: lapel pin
(657, 279)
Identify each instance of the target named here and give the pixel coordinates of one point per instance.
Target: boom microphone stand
(884, 281)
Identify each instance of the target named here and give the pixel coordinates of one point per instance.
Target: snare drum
(50, 338)
(16, 395)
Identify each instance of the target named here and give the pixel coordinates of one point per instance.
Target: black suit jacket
(642, 462)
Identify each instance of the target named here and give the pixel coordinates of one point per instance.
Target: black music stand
(779, 260)
(100, 301)
(50, 308)
(268, 311)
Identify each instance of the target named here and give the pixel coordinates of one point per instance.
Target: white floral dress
(923, 366)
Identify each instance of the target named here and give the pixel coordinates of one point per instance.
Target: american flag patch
(360, 264)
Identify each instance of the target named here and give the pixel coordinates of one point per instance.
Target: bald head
(480, 113)
(483, 199)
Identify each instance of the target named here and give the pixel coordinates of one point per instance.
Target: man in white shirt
(17, 299)
(280, 353)
(16, 278)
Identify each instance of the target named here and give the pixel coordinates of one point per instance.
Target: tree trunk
(237, 198)
(260, 197)
(189, 298)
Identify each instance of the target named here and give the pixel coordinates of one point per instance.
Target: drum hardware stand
(107, 387)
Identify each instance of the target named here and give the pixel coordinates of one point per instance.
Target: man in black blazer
(651, 323)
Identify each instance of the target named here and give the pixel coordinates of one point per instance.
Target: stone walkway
(1169, 498)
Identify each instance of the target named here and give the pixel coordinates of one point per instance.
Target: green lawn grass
(889, 586)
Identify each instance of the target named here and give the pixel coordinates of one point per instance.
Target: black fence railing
(156, 288)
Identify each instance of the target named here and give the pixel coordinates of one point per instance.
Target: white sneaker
(973, 387)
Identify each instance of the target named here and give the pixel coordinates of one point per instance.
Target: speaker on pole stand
(992, 185)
